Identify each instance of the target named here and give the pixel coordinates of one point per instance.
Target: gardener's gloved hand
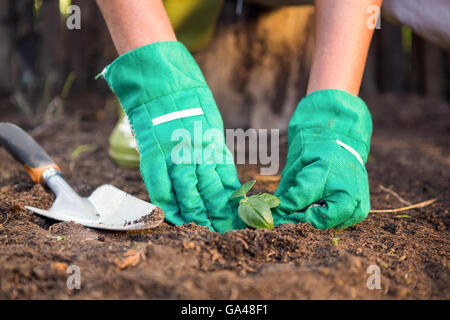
(325, 181)
(185, 164)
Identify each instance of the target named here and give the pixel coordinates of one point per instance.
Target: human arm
(325, 181)
(168, 103)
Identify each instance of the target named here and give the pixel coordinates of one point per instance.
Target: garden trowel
(106, 208)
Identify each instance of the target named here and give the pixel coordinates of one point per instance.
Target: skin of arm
(342, 40)
(342, 37)
(136, 23)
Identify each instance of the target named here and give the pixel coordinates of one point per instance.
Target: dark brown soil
(410, 155)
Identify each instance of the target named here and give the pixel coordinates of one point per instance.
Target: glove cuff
(336, 110)
(153, 71)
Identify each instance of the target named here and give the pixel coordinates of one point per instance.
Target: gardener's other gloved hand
(171, 111)
(325, 181)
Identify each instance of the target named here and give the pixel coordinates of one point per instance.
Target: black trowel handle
(25, 150)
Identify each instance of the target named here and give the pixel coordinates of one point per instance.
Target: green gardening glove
(325, 181)
(185, 164)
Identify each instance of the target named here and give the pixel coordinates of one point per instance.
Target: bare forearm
(342, 43)
(136, 23)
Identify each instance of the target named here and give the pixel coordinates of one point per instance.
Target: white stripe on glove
(177, 115)
(351, 150)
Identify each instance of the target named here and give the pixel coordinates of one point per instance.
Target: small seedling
(335, 241)
(57, 238)
(255, 210)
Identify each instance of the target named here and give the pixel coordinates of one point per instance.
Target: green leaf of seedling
(271, 200)
(255, 212)
(237, 194)
(246, 187)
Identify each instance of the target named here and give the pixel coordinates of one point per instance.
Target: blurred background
(257, 62)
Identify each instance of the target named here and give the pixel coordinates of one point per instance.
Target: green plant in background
(64, 7)
(255, 210)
